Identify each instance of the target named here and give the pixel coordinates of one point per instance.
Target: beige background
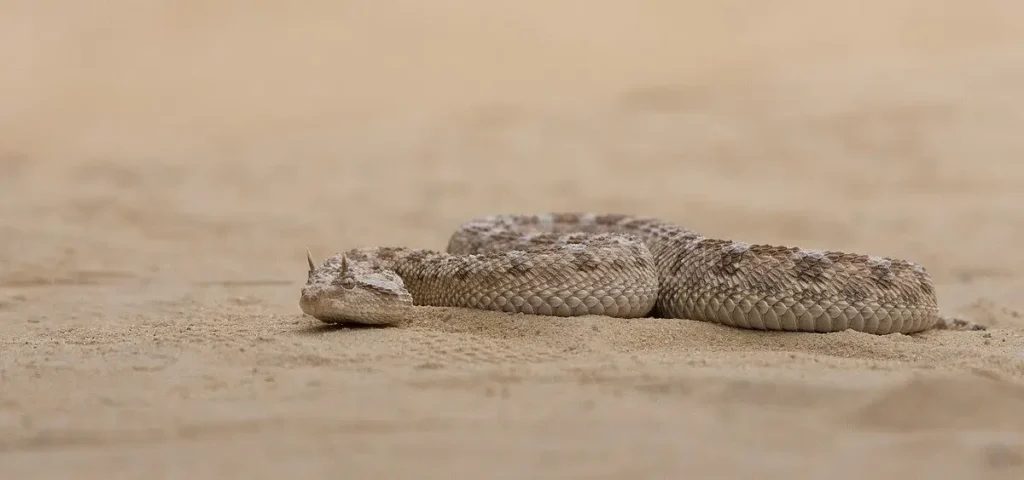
(164, 165)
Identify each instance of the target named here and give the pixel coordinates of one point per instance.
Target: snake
(625, 266)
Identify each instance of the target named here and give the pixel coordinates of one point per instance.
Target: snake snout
(307, 295)
(309, 301)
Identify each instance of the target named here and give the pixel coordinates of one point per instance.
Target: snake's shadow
(326, 328)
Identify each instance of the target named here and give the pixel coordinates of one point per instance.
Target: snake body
(568, 264)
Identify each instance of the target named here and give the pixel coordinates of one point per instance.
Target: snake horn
(309, 259)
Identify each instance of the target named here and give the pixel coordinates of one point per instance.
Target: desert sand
(164, 166)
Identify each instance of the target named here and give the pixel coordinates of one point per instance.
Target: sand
(164, 165)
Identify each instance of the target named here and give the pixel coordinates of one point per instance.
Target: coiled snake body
(567, 264)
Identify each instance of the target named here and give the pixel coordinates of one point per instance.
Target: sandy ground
(164, 165)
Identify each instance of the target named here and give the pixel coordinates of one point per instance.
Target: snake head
(347, 291)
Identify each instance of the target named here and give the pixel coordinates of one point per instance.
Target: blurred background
(151, 134)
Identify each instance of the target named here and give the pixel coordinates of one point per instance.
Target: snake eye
(347, 283)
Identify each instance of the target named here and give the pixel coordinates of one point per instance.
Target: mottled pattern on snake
(567, 264)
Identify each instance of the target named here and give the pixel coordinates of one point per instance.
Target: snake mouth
(329, 309)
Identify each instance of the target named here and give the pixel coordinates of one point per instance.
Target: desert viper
(567, 264)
